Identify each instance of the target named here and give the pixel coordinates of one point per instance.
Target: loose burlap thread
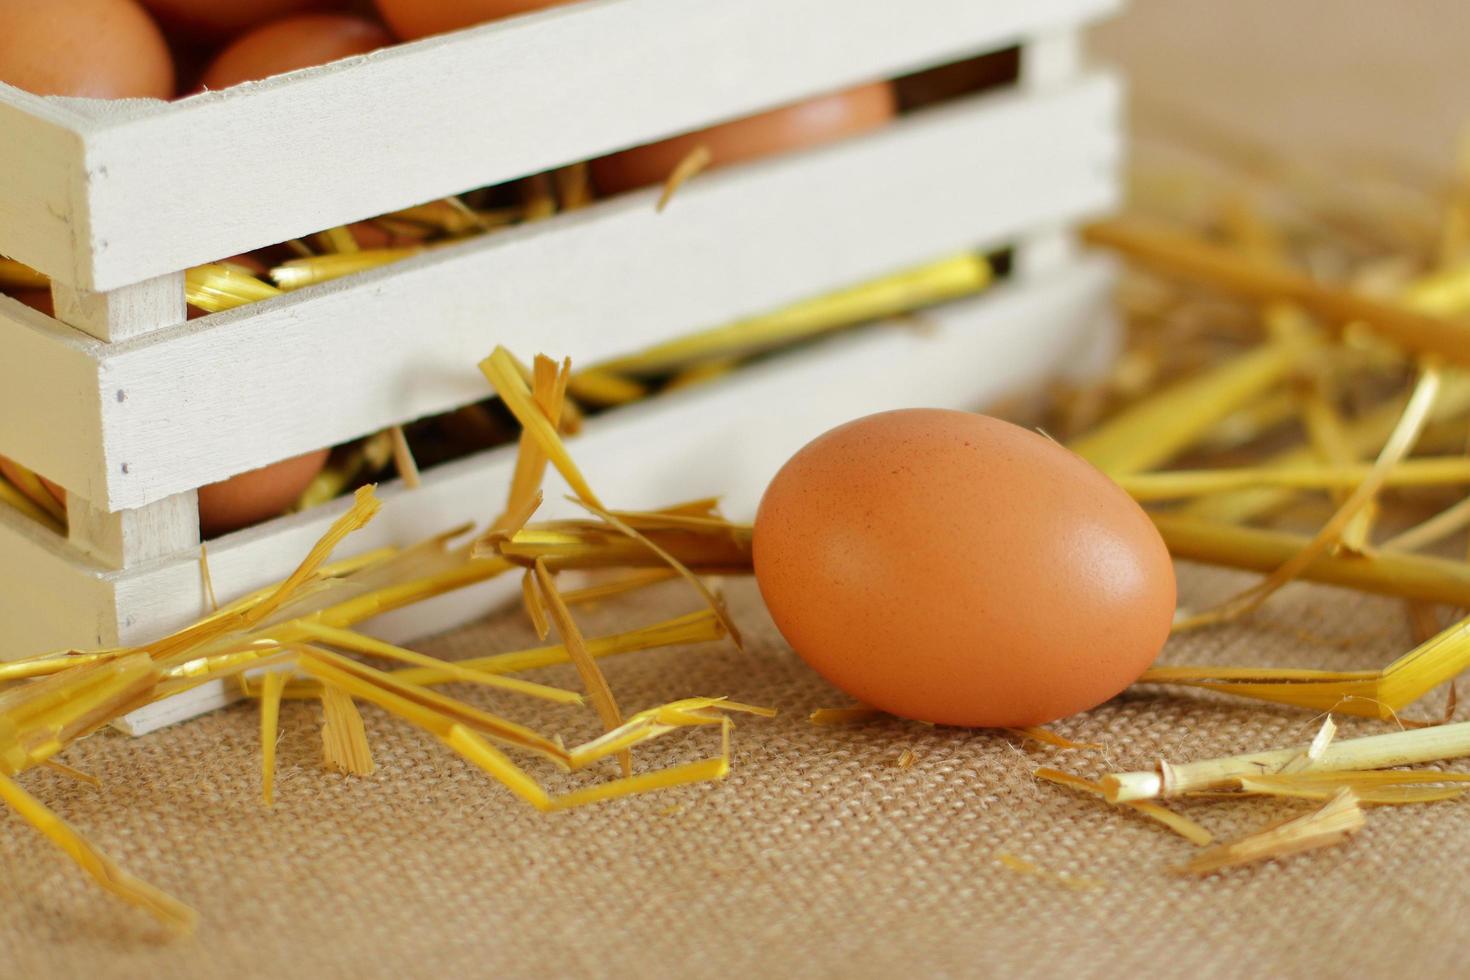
(816, 857)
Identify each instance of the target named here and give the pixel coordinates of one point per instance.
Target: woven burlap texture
(816, 857)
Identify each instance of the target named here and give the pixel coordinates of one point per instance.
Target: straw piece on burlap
(816, 856)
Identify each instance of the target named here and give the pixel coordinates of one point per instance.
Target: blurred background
(1387, 81)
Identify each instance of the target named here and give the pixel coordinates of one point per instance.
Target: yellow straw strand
(1339, 818)
(936, 282)
(1160, 427)
(300, 273)
(1176, 822)
(593, 679)
(1195, 259)
(535, 606)
(1416, 413)
(1048, 737)
(12, 497)
(215, 288)
(695, 162)
(344, 639)
(72, 773)
(500, 370)
(713, 600)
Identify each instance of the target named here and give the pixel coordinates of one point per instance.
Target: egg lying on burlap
(957, 569)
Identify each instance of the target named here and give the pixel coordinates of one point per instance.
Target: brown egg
(957, 569)
(412, 19)
(293, 43)
(810, 123)
(258, 495)
(213, 19)
(101, 49)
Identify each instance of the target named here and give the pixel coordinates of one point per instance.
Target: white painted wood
(179, 708)
(318, 148)
(730, 438)
(1043, 251)
(1049, 61)
(1052, 59)
(134, 408)
(49, 598)
(126, 538)
(247, 387)
(125, 312)
(963, 355)
(40, 153)
(50, 417)
(1100, 348)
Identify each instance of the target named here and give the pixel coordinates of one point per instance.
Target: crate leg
(1051, 59)
(1044, 252)
(1046, 62)
(121, 314)
(121, 539)
(1047, 253)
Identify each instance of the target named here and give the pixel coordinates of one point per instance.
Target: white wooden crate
(131, 409)
(730, 441)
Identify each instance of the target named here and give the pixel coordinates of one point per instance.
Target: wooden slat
(41, 158)
(124, 538)
(245, 388)
(49, 599)
(50, 419)
(1051, 59)
(168, 186)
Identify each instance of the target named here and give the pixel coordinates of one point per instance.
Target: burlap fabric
(816, 857)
